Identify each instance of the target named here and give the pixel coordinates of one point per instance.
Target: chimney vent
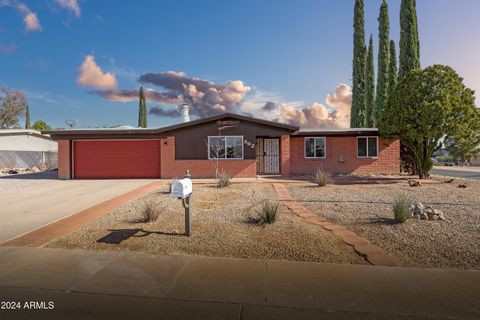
(185, 113)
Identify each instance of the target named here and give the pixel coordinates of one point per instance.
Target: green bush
(401, 208)
(223, 179)
(268, 212)
(321, 177)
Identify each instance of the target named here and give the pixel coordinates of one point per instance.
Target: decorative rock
(414, 183)
(35, 169)
(424, 216)
(449, 180)
(463, 186)
(417, 208)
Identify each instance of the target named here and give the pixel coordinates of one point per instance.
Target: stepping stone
(316, 220)
(368, 248)
(381, 259)
(354, 240)
(342, 233)
(332, 227)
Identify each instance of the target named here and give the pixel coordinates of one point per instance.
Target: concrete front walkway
(126, 285)
(26, 209)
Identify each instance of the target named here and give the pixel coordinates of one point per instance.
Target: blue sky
(293, 53)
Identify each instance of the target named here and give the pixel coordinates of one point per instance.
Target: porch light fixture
(341, 158)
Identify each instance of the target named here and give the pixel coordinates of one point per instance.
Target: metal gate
(268, 155)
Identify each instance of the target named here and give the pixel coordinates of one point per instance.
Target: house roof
(141, 131)
(24, 132)
(338, 132)
(145, 132)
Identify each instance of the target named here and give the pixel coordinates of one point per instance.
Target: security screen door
(268, 155)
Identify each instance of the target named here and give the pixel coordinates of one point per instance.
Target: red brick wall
(171, 168)
(64, 159)
(388, 161)
(285, 155)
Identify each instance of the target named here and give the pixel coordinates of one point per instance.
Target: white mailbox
(181, 188)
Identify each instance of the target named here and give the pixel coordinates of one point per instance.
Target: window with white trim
(315, 147)
(225, 147)
(367, 147)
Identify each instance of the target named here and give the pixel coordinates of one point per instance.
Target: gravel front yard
(366, 209)
(25, 180)
(221, 226)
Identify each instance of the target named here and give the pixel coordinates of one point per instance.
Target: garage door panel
(117, 159)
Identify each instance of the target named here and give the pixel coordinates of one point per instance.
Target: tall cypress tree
(370, 87)
(409, 39)
(392, 69)
(383, 62)
(27, 117)
(142, 110)
(358, 74)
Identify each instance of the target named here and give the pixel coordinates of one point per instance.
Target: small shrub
(401, 208)
(223, 180)
(321, 177)
(149, 213)
(268, 212)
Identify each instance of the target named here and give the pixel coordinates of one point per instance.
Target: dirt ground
(364, 206)
(222, 224)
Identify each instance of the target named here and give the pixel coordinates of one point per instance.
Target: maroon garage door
(114, 159)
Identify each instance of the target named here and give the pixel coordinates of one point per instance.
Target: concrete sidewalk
(125, 285)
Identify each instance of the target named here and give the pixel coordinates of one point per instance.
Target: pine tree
(358, 73)
(409, 39)
(392, 69)
(142, 110)
(370, 87)
(27, 117)
(383, 62)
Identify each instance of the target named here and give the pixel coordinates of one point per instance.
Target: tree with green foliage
(426, 106)
(12, 106)
(142, 110)
(382, 62)
(392, 69)
(41, 125)
(358, 115)
(27, 117)
(370, 86)
(463, 148)
(409, 39)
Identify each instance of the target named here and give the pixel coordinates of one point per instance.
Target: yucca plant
(268, 212)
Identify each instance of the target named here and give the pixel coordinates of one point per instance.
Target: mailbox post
(182, 189)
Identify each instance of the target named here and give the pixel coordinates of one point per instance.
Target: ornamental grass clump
(268, 212)
(401, 208)
(149, 213)
(223, 180)
(321, 177)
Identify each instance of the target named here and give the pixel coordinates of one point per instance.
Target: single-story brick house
(240, 145)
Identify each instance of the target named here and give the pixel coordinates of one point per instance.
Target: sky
(283, 60)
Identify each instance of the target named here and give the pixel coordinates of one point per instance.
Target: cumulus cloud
(162, 112)
(29, 17)
(130, 95)
(70, 5)
(91, 75)
(316, 115)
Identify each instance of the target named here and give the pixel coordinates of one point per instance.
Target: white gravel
(24, 180)
(366, 209)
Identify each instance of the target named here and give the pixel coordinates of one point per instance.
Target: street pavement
(78, 284)
(458, 172)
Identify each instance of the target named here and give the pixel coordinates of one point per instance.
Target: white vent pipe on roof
(185, 113)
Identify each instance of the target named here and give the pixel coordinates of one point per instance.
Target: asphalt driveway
(25, 209)
(458, 172)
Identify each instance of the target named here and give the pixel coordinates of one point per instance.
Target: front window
(367, 147)
(315, 147)
(225, 147)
